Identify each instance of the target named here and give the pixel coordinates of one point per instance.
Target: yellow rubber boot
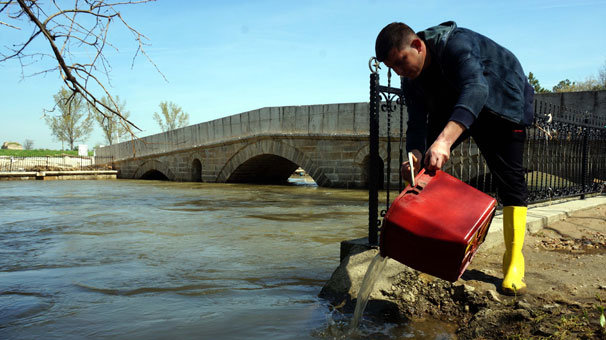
(514, 228)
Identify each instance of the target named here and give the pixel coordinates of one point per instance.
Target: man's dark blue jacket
(475, 75)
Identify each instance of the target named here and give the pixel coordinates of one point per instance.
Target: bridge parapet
(350, 119)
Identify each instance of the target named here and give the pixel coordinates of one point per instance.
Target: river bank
(58, 175)
(564, 272)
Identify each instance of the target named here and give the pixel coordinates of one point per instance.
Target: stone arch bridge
(330, 142)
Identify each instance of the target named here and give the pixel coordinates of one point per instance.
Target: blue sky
(226, 57)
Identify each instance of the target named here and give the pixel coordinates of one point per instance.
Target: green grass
(39, 153)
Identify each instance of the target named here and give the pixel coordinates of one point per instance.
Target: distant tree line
(76, 118)
(590, 84)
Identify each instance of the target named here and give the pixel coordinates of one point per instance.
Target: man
(458, 83)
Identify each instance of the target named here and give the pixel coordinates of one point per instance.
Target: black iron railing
(54, 163)
(565, 153)
(382, 99)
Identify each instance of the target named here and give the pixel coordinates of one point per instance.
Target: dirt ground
(566, 278)
(565, 298)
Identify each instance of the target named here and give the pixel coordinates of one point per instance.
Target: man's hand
(416, 160)
(439, 152)
(437, 155)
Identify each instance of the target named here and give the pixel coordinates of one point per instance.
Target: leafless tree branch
(9, 25)
(83, 27)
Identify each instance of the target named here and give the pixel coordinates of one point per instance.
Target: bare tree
(113, 127)
(73, 124)
(602, 76)
(171, 116)
(28, 144)
(77, 38)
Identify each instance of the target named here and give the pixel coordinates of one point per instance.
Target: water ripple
(144, 290)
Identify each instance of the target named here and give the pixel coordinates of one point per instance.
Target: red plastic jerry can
(437, 226)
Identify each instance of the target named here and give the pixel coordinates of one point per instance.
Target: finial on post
(373, 62)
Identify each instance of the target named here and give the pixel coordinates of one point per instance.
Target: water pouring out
(370, 278)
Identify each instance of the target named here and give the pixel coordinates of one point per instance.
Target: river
(134, 259)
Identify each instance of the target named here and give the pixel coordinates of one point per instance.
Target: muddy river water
(151, 260)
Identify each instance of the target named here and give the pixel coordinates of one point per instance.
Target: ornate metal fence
(565, 153)
(54, 163)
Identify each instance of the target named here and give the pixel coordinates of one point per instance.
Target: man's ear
(417, 44)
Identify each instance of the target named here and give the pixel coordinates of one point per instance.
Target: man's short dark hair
(393, 35)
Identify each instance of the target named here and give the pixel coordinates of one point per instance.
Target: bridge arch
(196, 170)
(267, 159)
(148, 167)
(364, 152)
(362, 159)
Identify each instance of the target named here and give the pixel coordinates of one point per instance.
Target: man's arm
(416, 126)
(439, 152)
(465, 70)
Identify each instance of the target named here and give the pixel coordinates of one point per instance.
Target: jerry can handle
(412, 170)
(418, 184)
(413, 178)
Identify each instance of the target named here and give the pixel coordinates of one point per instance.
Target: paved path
(540, 215)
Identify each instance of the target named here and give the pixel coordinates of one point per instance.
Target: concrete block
(299, 158)
(307, 165)
(265, 120)
(194, 135)
(254, 120)
(275, 119)
(331, 120)
(361, 118)
(394, 126)
(289, 153)
(322, 181)
(288, 119)
(204, 138)
(212, 133)
(236, 126)
(241, 157)
(348, 155)
(244, 121)
(301, 119)
(273, 147)
(266, 145)
(316, 118)
(348, 170)
(226, 122)
(346, 117)
(315, 173)
(189, 134)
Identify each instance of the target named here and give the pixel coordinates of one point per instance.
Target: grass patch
(39, 153)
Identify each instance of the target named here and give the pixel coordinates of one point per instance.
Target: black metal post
(585, 158)
(401, 156)
(388, 160)
(373, 163)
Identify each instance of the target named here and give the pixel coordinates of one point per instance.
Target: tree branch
(18, 52)
(9, 25)
(66, 71)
